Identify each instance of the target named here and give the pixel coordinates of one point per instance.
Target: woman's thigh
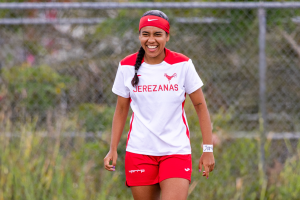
(147, 192)
(174, 189)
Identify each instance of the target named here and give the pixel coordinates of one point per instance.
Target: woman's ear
(168, 36)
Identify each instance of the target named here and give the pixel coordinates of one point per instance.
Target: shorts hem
(139, 184)
(189, 179)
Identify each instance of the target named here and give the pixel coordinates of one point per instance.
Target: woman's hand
(111, 156)
(207, 159)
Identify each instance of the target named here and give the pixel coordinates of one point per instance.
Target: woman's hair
(141, 53)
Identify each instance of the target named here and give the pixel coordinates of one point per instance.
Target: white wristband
(207, 148)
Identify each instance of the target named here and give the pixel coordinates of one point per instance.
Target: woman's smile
(152, 48)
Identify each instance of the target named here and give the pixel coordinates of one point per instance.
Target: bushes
(95, 117)
(33, 167)
(37, 91)
(33, 89)
(37, 167)
(288, 183)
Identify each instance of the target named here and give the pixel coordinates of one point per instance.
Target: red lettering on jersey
(176, 87)
(154, 89)
(160, 88)
(166, 87)
(171, 87)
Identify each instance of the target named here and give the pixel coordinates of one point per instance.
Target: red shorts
(148, 170)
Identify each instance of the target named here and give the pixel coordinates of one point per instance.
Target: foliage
(287, 186)
(66, 167)
(34, 88)
(220, 120)
(95, 117)
(235, 160)
(38, 168)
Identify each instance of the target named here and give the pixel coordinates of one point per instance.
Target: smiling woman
(158, 160)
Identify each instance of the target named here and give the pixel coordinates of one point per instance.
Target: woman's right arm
(118, 124)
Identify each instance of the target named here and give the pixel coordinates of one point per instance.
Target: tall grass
(35, 167)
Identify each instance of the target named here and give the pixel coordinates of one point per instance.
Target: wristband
(207, 148)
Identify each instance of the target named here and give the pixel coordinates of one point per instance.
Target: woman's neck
(154, 60)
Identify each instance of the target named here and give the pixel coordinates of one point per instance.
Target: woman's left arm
(207, 158)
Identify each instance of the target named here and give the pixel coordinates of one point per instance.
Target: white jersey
(158, 124)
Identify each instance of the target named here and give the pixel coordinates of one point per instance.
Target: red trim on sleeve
(130, 128)
(183, 118)
(129, 60)
(174, 57)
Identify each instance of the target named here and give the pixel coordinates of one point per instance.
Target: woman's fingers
(208, 168)
(114, 160)
(212, 166)
(207, 160)
(110, 168)
(106, 163)
(200, 166)
(107, 166)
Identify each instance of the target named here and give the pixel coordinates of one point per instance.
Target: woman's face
(153, 40)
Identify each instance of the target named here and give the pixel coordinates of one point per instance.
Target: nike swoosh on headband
(149, 20)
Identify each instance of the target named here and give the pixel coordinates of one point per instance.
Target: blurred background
(57, 67)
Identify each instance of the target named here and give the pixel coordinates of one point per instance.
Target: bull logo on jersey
(170, 77)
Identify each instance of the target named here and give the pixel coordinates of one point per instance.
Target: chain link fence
(58, 63)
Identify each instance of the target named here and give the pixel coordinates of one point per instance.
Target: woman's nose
(151, 39)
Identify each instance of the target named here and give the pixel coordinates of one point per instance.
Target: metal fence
(59, 60)
(231, 45)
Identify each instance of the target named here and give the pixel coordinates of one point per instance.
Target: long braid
(138, 62)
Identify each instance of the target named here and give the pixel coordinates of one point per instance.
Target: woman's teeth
(152, 47)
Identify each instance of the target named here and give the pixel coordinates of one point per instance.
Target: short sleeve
(119, 87)
(192, 80)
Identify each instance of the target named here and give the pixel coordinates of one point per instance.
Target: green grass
(34, 167)
(38, 168)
